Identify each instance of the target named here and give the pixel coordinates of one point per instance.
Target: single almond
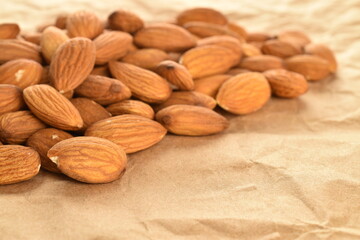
(244, 93)
(176, 74)
(131, 107)
(261, 63)
(11, 98)
(224, 41)
(33, 38)
(18, 164)
(296, 38)
(101, 70)
(191, 120)
(125, 21)
(203, 30)
(89, 159)
(53, 108)
(14, 49)
(147, 58)
(312, 67)
(210, 85)
(51, 39)
(279, 49)
(238, 29)
(324, 52)
(132, 132)
(201, 15)
(60, 21)
(258, 37)
(84, 24)
(249, 50)
(9, 30)
(236, 71)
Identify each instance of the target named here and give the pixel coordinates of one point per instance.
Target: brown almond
(132, 132)
(144, 84)
(238, 29)
(42, 141)
(258, 37)
(191, 120)
(313, 68)
(89, 159)
(33, 38)
(60, 21)
(176, 74)
(42, 27)
(51, 39)
(101, 70)
(18, 164)
(9, 30)
(17, 127)
(147, 58)
(249, 50)
(224, 41)
(53, 108)
(279, 49)
(131, 107)
(324, 52)
(203, 30)
(84, 24)
(68, 94)
(236, 71)
(201, 15)
(11, 98)
(244, 93)
(14, 49)
(125, 21)
(261, 63)
(210, 85)
(296, 38)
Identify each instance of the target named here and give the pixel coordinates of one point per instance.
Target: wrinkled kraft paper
(288, 171)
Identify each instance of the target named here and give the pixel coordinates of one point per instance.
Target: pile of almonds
(80, 94)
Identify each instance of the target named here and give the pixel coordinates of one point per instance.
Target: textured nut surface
(201, 15)
(147, 58)
(261, 63)
(125, 21)
(313, 68)
(131, 107)
(210, 85)
(9, 30)
(11, 98)
(324, 52)
(203, 30)
(50, 41)
(14, 49)
(176, 74)
(84, 24)
(279, 49)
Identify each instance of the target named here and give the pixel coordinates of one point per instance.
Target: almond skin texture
(17, 127)
(176, 74)
(249, 50)
(147, 58)
(279, 49)
(201, 15)
(21, 73)
(313, 68)
(42, 141)
(51, 39)
(261, 63)
(72, 63)
(53, 108)
(286, 84)
(204, 61)
(244, 93)
(324, 52)
(111, 46)
(210, 85)
(102, 71)
(144, 84)
(132, 132)
(11, 98)
(89, 159)
(191, 120)
(60, 21)
(103, 90)
(14, 49)
(33, 38)
(224, 41)
(9, 30)
(164, 36)
(131, 107)
(238, 29)
(296, 38)
(18, 164)
(203, 30)
(125, 21)
(84, 24)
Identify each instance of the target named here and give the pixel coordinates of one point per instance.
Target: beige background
(289, 171)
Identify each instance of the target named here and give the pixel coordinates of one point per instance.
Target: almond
(164, 36)
(279, 49)
(21, 73)
(9, 30)
(51, 39)
(249, 50)
(144, 84)
(42, 141)
(111, 46)
(131, 107)
(125, 21)
(72, 63)
(244, 93)
(33, 38)
(89, 159)
(13, 49)
(229, 42)
(296, 38)
(132, 132)
(313, 68)
(147, 58)
(68, 94)
(238, 29)
(203, 30)
(204, 61)
(258, 37)
(84, 24)
(53, 108)
(236, 71)
(18, 164)
(102, 71)
(17, 127)
(11, 98)
(191, 120)
(60, 21)
(324, 52)
(210, 85)
(286, 84)
(176, 74)
(261, 63)
(201, 15)
(103, 90)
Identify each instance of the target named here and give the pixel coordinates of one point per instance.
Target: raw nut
(131, 107)
(238, 29)
(84, 24)
(72, 63)
(279, 49)
(53, 108)
(201, 15)
(188, 98)
(250, 50)
(33, 38)
(296, 38)
(42, 141)
(203, 30)
(68, 94)
(164, 36)
(324, 52)
(111, 46)
(103, 90)
(21, 73)
(102, 71)
(14, 49)
(18, 164)
(191, 120)
(17, 127)
(258, 37)
(176, 74)
(147, 58)
(42, 27)
(205, 61)
(132, 132)
(223, 41)
(174, 56)
(244, 93)
(51, 39)
(89, 159)
(286, 84)
(125, 21)
(11, 98)
(144, 84)
(236, 71)
(313, 68)
(9, 30)
(210, 85)
(261, 63)
(60, 21)
(90, 111)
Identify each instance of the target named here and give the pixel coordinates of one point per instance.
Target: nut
(131, 107)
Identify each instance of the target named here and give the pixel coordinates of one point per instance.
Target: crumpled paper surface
(288, 171)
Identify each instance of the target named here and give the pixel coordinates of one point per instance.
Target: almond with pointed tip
(51, 39)
(14, 49)
(238, 29)
(9, 30)
(203, 30)
(296, 38)
(125, 21)
(176, 74)
(60, 21)
(84, 24)
(324, 52)
(208, 15)
(131, 107)
(11, 98)
(279, 49)
(312, 67)
(210, 85)
(147, 58)
(261, 63)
